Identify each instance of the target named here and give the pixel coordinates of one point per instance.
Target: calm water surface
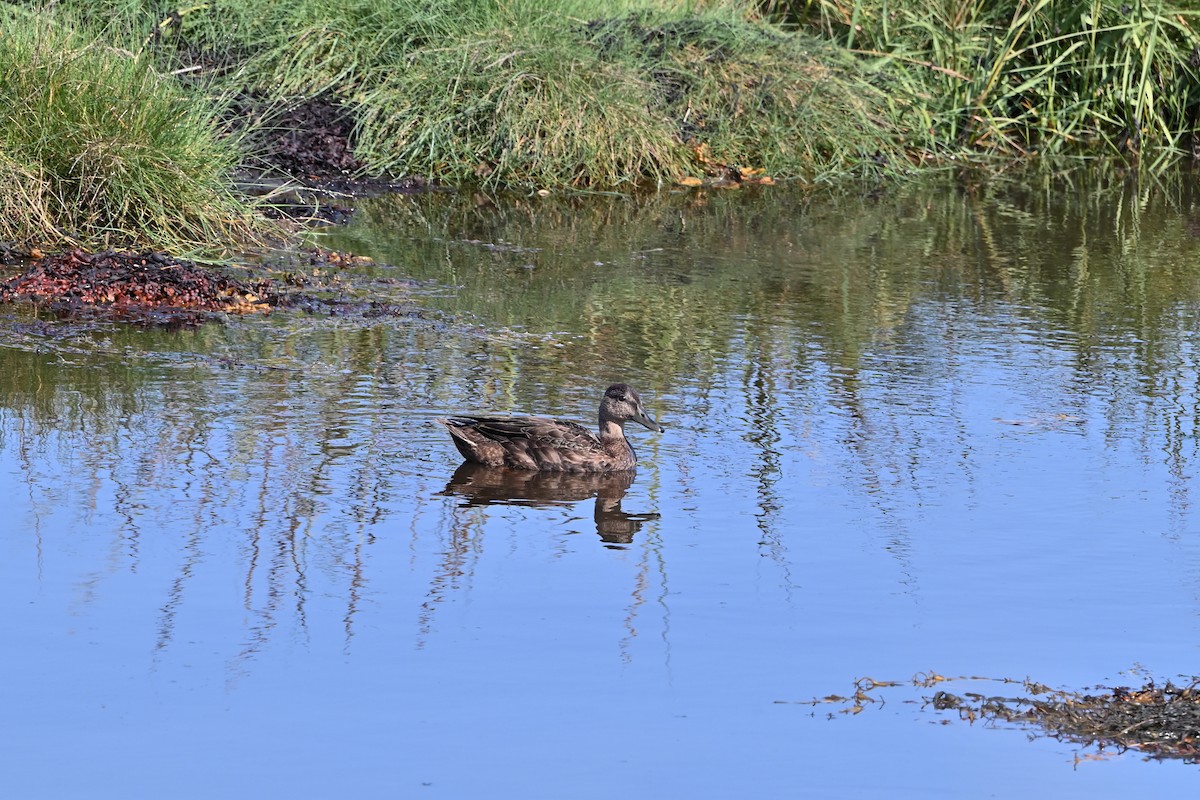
(952, 429)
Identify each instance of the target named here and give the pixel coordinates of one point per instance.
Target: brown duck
(554, 445)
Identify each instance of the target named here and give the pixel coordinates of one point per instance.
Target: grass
(101, 150)
(492, 109)
(602, 108)
(114, 132)
(537, 94)
(1023, 76)
(116, 128)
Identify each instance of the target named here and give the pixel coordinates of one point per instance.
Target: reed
(1019, 76)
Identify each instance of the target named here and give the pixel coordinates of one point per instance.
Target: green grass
(493, 109)
(530, 93)
(112, 130)
(101, 150)
(1055, 77)
(755, 95)
(589, 94)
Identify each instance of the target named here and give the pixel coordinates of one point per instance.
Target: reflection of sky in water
(251, 575)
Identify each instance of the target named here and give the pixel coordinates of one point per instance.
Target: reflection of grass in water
(1087, 253)
(817, 295)
(802, 288)
(852, 276)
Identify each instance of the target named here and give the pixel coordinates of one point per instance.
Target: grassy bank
(607, 94)
(126, 101)
(1087, 77)
(124, 123)
(579, 92)
(97, 148)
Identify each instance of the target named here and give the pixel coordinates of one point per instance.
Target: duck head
(622, 404)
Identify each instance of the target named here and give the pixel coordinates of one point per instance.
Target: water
(951, 428)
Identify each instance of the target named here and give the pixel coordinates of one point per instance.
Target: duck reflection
(481, 486)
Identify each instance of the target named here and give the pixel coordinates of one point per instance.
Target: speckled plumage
(554, 445)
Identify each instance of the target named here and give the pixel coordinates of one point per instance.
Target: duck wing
(535, 431)
(539, 443)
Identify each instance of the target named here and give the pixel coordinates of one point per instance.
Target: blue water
(232, 564)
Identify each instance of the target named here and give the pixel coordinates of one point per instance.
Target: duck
(554, 445)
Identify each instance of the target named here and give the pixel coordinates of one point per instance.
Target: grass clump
(498, 110)
(537, 93)
(753, 94)
(1011, 77)
(24, 212)
(100, 150)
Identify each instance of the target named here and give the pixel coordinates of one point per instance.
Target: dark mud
(299, 155)
(8, 254)
(304, 163)
(158, 290)
(312, 141)
(141, 288)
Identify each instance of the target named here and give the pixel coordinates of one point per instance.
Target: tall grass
(496, 109)
(579, 92)
(119, 137)
(99, 149)
(1014, 76)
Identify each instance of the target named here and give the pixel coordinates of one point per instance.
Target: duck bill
(648, 421)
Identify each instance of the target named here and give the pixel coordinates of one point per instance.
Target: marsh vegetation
(131, 124)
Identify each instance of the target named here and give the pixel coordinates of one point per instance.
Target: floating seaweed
(1160, 721)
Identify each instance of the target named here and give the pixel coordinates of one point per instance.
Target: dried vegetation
(1159, 720)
